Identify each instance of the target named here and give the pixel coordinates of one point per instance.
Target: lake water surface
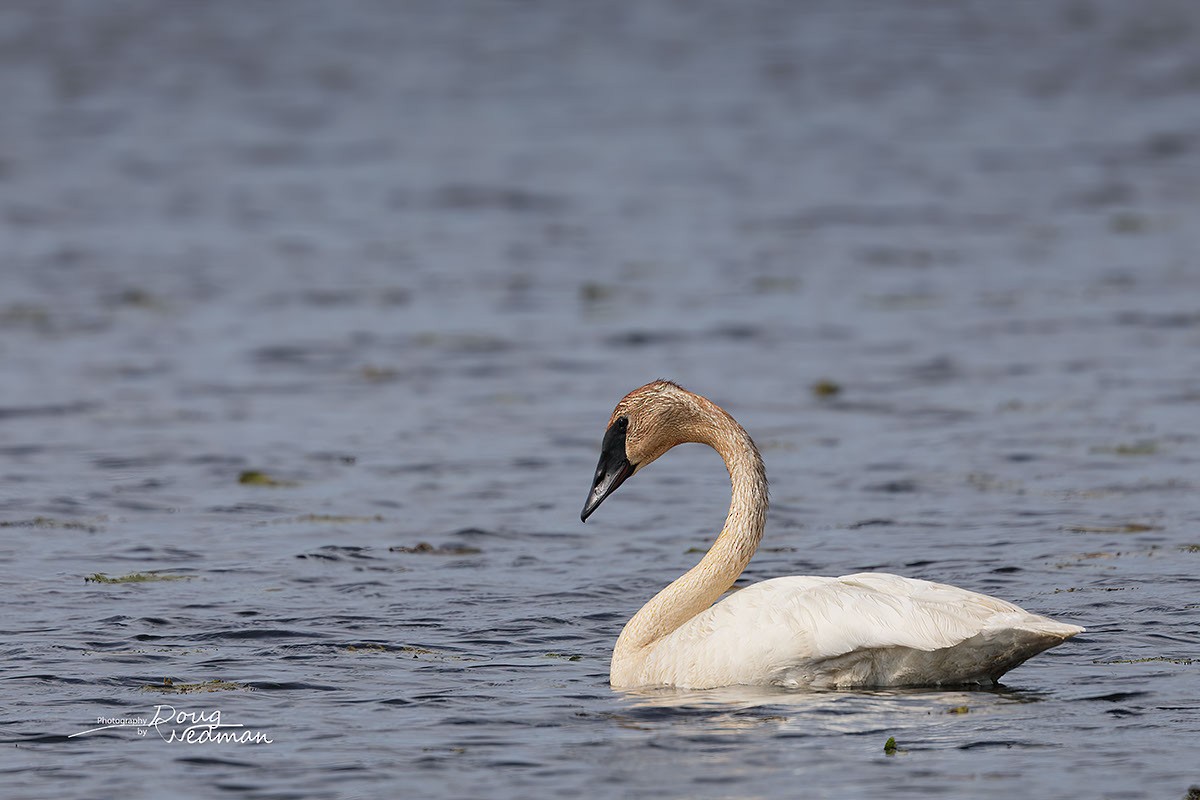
(322, 308)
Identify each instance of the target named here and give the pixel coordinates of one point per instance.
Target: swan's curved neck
(700, 586)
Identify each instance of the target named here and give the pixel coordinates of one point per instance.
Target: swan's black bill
(612, 470)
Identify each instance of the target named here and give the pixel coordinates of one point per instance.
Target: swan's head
(646, 423)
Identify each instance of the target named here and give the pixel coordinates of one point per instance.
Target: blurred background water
(322, 307)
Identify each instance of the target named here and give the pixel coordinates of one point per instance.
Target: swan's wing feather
(779, 624)
(878, 610)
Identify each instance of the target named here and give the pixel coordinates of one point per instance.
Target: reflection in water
(734, 707)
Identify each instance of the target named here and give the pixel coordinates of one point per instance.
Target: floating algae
(1145, 447)
(373, 374)
(826, 388)
(135, 577)
(253, 477)
(441, 550)
(49, 522)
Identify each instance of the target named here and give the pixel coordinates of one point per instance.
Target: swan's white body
(869, 629)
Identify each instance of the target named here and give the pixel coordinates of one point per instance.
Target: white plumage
(869, 629)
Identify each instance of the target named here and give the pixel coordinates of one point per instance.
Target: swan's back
(868, 629)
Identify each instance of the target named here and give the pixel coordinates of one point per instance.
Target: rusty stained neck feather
(700, 587)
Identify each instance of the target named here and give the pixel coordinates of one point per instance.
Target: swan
(871, 629)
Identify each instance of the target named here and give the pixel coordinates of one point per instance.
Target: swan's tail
(1044, 628)
(1011, 640)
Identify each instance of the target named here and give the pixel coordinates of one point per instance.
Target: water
(404, 262)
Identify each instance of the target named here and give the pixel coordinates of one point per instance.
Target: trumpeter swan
(869, 629)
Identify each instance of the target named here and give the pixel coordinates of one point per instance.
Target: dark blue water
(403, 260)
